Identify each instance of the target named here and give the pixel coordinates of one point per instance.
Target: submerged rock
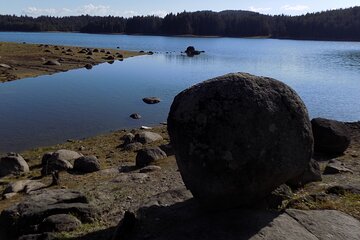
(151, 100)
(238, 137)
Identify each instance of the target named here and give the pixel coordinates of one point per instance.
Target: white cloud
(259, 9)
(97, 10)
(33, 11)
(159, 13)
(296, 8)
(130, 13)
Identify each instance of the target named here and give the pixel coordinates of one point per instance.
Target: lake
(80, 103)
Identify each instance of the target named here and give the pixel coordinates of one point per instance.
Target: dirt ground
(19, 61)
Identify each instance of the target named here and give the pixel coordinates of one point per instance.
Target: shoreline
(23, 60)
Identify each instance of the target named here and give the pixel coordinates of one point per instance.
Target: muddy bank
(24, 60)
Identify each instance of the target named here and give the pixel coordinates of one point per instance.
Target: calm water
(80, 103)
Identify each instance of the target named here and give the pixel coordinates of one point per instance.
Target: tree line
(341, 24)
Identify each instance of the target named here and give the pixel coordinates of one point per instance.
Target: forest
(341, 24)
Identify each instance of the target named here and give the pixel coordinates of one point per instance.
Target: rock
(327, 224)
(133, 146)
(334, 166)
(89, 53)
(87, 164)
(102, 50)
(4, 66)
(148, 137)
(128, 138)
(24, 217)
(52, 63)
(342, 189)
(82, 51)
(330, 137)
(150, 168)
(96, 50)
(161, 221)
(145, 128)
(311, 174)
(238, 137)
(147, 156)
(135, 116)
(69, 50)
(168, 149)
(9, 195)
(59, 223)
(108, 52)
(190, 51)
(58, 160)
(88, 66)
(26, 186)
(151, 100)
(110, 58)
(13, 163)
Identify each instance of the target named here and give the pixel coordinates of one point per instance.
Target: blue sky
(161, 7)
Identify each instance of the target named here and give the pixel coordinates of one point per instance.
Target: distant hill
(341, 24)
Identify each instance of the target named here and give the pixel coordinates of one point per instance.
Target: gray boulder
(147, 156)
(330, 136)
(87, 164)
(13, 163)
(58, 161)
(60, 223)
(238, 137)
(26, 186)
(24, 217)
(147, 137)
(128, 138)
(135, 146)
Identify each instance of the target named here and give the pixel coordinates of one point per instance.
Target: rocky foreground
(19, 61)
(82, 189)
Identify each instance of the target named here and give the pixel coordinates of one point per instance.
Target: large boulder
(330, 136)
(238, 137)
(13, 163)
(58, 161)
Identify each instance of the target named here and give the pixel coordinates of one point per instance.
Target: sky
(128, 8)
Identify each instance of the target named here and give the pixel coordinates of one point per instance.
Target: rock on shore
(238, 137)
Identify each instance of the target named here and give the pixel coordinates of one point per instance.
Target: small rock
(150, 168)
(133, 146)
(88, 66)
(13, 163)
(110, 58)
(9, 195)
(135, 116)
(128, 138)
(4, 66)
(52, 63)
(87, 164)
(334, 166)
(59, 223)
(151, 100)
(147, 137)
(147, 156)
(23, 185)
(58, 160)
(342, 189)
(96, 50)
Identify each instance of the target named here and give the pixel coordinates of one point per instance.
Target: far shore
(23, 60)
